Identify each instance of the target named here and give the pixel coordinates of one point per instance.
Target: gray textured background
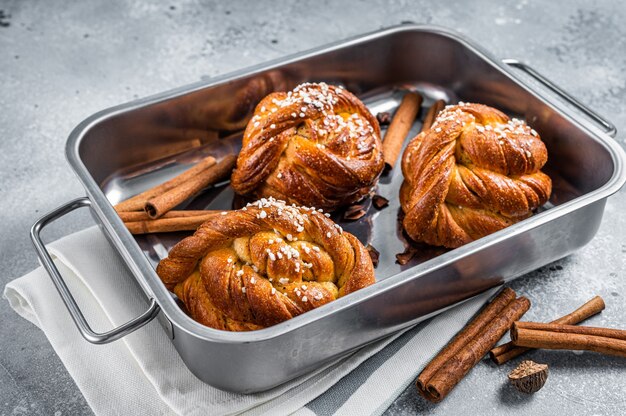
(61, 61)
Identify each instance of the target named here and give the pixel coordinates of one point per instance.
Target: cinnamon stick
(508, 351)
(400, 127)
(433, 111)
(470, 345)
(569, 337)
(165, 225)
(143, 216)
(138, 202)
(160, 204)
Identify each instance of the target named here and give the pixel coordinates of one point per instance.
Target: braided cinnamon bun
(317, 145)
(264, 264)
(474, 172)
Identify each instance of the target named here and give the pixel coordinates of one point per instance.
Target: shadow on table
(511, 397)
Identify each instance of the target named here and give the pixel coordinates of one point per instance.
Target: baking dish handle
(608, 126)
(68, 299)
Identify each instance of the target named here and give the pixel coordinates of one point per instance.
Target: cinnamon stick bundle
(470, 345)
(508, 351)
(400, 127)
(162, 203)
(138, 202)
(433, 111)
(569, 337)
(141, 223)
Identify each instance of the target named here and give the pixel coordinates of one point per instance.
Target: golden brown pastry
(474, 172)
(317, 145)
(264, 264)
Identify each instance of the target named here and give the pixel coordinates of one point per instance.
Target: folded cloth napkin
(142, 374)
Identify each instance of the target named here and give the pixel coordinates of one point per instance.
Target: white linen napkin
(142, 374)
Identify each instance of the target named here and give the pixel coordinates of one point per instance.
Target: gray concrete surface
(61, 61)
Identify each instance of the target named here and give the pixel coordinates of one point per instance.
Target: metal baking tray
(120, 151)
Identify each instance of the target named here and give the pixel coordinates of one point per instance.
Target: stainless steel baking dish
(122, 150)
